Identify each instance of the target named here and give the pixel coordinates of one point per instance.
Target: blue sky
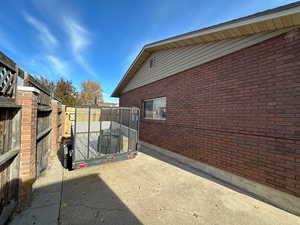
(98, 40)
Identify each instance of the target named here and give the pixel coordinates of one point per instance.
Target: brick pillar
(54, 124)
(27, 97)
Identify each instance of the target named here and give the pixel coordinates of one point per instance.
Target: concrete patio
(147, 190)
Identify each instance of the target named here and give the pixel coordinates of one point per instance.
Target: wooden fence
(44, 109)
(15, 148)
(60, 121)
(9, 138)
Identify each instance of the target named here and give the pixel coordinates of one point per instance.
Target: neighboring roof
(269, 20)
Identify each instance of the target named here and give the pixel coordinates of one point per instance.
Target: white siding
(171, 61)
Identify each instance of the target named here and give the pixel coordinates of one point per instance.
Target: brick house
(227, 98)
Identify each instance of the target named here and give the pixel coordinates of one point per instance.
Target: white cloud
(79, 58)
(78, 35)
(79, 41)
(59, 66)
(45, 35)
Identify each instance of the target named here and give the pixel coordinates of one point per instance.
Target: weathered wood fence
(30, 130)
(44, 109)
(9, 138)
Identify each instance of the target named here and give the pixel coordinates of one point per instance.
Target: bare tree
(46, 82)
(91, 93)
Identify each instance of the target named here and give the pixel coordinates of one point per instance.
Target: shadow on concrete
(84, 200)
(88, 200)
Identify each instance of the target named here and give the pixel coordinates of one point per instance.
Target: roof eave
(248, 25)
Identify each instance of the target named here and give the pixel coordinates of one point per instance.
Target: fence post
(27, 97)
(62, 120)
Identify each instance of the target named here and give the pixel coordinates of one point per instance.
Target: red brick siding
(240, 113)
(28, 101)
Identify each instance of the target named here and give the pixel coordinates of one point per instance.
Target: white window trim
(149, 99)
(147, 118)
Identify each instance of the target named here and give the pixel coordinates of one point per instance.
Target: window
(155, 108)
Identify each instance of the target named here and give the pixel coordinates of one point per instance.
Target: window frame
(152, 99)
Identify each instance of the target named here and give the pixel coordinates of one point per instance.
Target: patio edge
(277, 198)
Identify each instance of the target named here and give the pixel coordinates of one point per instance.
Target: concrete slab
(151, 190)
(45, 204)
(272, 196)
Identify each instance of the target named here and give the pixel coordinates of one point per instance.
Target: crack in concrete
(96, 208)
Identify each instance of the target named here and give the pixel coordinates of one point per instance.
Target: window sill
(153, 120)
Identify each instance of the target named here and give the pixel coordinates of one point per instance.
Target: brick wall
(240, 113)
(28, 97)
(27, 169)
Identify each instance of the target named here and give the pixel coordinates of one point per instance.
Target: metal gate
(99, 132)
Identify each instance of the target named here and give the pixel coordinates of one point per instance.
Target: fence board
(8, 156)
(10, 131)
(43, 140)
(8, 190)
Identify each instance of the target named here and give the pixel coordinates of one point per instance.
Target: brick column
(27, 97)
(54, 124)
